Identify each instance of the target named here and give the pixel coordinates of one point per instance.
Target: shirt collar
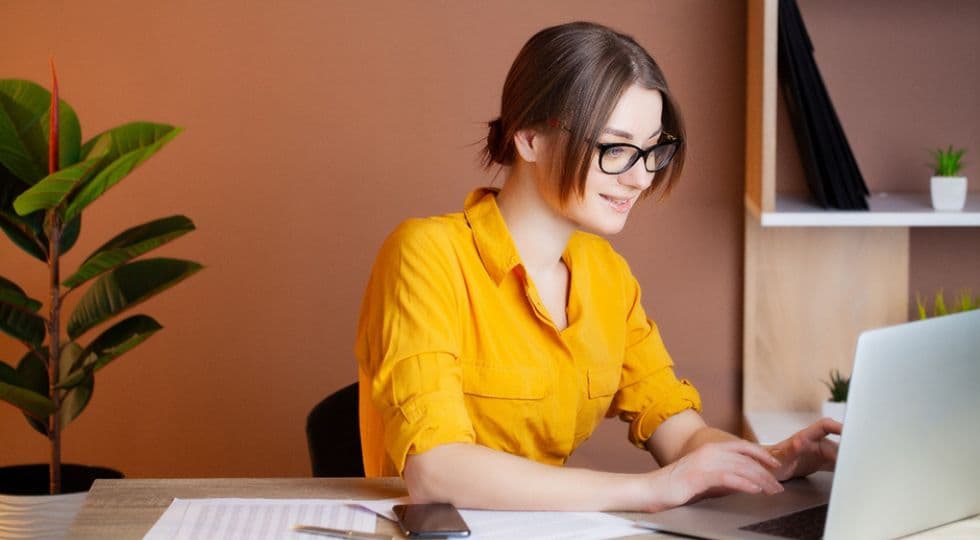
(490, 233)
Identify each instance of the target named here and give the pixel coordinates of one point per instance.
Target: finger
(832, 426)
(750, 469)
(797, 443)
(781, 451)
(828, 451)
(756, 452)
(821, 428)
(738, 483)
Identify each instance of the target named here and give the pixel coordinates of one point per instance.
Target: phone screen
(431, 520)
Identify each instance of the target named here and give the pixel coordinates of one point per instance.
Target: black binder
(832, 173)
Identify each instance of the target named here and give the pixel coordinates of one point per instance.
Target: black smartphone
(435, 520)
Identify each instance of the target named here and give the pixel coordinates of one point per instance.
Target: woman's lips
(621, 205)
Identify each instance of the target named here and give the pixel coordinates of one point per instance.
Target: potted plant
(48, 178)
(835, 407)
(947, 187)
(964, 301)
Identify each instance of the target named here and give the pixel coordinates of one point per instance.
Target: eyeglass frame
(674, 142)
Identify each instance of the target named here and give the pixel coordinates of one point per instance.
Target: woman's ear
(530, 144)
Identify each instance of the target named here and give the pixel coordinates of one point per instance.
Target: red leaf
(53, 123)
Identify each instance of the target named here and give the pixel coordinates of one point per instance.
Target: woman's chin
(603, 228)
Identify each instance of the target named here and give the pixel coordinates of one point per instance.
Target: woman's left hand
(808, 451)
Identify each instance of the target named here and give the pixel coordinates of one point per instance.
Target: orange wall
(312, 129)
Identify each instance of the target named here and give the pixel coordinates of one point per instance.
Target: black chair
(334, 436)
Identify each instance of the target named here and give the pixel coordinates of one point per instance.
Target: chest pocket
(603, 382)
(510, 382)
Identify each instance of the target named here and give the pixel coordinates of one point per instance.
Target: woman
(493, 341)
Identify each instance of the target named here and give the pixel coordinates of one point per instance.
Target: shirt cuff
(680, 398)
(423, 423)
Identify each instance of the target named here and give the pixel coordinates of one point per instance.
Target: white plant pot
(948, 192)
(834, 409)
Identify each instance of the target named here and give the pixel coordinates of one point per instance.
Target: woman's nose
(636, 176)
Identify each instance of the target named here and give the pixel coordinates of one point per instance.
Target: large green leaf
(34, 374)
(27, 232)
(52, 190)
(110, 345)
(125, 287)
(22, 236)
(19, 230)
(14, 391)
(123, 148)
(69, 234)
(24, 113)
(34, 243)
(74, 401)
(128, 245)
(12, 294)
(17, 314)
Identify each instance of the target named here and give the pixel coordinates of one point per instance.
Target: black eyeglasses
(617, 158)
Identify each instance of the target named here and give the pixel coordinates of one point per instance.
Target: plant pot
(834, 409)
(26, 511)
(948, 193)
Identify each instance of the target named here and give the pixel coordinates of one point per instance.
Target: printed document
(256, 519)
(495, 524)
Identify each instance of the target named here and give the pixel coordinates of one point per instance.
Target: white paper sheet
(256, 519)
(491, 525)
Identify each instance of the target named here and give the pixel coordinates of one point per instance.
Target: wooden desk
(127, 509)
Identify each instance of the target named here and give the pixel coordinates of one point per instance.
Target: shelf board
(887, 210)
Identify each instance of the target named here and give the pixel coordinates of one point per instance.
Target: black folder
(832, 173)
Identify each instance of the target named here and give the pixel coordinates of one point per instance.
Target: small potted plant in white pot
(837, 404)
(948, 187)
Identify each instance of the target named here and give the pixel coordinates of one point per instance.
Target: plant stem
(53, 226)
(54, 357)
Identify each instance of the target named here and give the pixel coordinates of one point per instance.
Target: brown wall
(904, 76)
(313, 128)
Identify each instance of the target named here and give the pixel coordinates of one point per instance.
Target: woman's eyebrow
(627, 135)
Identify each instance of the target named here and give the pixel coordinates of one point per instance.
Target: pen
(340, 533)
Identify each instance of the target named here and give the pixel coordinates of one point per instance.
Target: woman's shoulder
(427, 232)
(595, 249)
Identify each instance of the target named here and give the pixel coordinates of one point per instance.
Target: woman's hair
(572, 75)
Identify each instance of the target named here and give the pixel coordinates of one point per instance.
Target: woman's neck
(539, 232)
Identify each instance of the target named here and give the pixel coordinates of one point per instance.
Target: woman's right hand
(718, 469)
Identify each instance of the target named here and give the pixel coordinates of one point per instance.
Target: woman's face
(608, 198)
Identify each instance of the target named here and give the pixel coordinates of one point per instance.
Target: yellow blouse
(454, 345)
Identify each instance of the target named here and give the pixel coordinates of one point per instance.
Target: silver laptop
(909, 455)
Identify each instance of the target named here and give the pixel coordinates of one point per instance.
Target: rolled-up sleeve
(421, 402)
(649, 391)
(408, 349)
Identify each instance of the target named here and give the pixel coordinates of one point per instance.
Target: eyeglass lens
(617, 159)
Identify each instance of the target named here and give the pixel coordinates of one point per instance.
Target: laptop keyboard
(803, 525)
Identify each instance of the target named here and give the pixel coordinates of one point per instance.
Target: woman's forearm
(706, 435)
(473, 476)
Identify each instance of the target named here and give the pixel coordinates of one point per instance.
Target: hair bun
(495, 139)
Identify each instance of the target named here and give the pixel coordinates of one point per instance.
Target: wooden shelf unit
(813, 279)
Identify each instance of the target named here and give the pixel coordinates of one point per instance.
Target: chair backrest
(334, 436)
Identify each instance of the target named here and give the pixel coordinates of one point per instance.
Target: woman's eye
(615, 151)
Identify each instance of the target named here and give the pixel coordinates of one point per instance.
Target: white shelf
(887, 210)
